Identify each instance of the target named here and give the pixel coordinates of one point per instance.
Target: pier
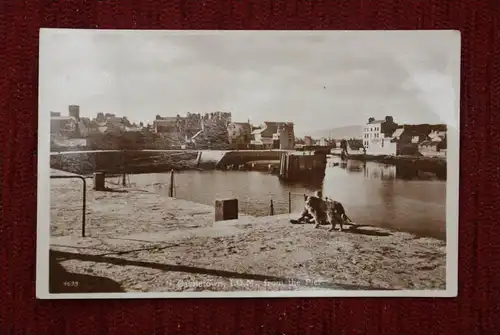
(295, 166)
(157, 161)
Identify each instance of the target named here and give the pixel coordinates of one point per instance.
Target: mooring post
(171, 189)
(124, 178)
(226, 209)
(99, 181)
(271, 208)
(289, 202)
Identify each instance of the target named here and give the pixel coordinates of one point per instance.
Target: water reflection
(382, 195)
(374, 170)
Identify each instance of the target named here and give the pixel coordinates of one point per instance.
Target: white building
(274, 135)
(378, 135)
(239, 132)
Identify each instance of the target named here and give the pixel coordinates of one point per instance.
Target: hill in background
(346, 132)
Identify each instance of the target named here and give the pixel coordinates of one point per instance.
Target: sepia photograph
(185, 164)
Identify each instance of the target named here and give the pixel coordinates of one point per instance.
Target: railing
(84, 195)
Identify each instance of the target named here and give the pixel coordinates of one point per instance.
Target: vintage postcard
(179, 164)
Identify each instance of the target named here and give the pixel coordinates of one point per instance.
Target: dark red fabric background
(475, 311)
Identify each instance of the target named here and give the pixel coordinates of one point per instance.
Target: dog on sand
(323, 211)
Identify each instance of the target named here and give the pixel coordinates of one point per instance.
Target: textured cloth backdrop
(476, 311)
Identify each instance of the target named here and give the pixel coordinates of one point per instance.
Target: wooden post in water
(171, 188)
(124, 178)
(282, 164)
(289, 202)
(287, 166)
(271, 208)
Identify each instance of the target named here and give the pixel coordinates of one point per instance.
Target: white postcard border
(452, 204)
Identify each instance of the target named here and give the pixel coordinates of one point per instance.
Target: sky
(316, 79)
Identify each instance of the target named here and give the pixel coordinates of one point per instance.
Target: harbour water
(372, 193)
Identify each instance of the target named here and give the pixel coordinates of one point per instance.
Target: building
(324, 142)
(437, 135)
(239, 133)
(378, 135)
(66, 126)
(412, 139)
(432, 149)
(165, 125)
(286, 136)
(435, 146)
(308, 141)
(87, 127)
(63, 126)
(263, 137)
(74, 111)
(384, 137)
(274, 135)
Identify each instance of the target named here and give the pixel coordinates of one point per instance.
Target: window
(382, 143)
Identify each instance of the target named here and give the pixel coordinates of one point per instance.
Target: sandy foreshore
(143, 241)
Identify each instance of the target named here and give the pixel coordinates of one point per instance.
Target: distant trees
(118, 140)
(355, 143)
(125, 121)
(299, 140)
(443, 144)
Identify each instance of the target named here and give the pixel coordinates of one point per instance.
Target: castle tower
(74, 111)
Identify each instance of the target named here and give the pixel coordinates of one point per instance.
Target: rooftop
(258, 131)
(398, 132)
(376, 122)
(167, 119)
(430, 143)
(66, 118)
